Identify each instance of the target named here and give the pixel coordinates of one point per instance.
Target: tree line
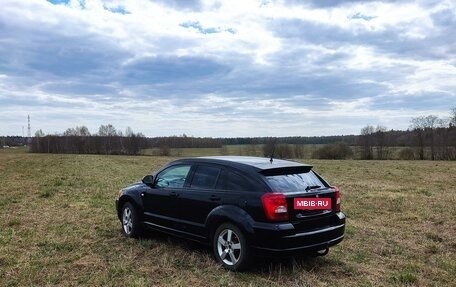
(300, 140)
(429, 137)
(109, 140)
(13, 141)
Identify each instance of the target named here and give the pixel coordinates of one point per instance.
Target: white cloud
(226, 68)
(429, 76)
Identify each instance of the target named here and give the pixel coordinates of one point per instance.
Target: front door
(161, 202)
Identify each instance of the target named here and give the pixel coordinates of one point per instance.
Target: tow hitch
(322, 252)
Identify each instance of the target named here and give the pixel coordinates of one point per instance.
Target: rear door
(198, 199)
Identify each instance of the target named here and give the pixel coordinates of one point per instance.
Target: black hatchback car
(242, 206)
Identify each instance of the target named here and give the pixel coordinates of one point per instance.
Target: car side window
(205, 177)
(173, 177)
(232, 181)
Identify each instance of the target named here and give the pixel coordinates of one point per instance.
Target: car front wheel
(130, 223)
(230, 247)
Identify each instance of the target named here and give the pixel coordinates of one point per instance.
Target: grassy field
(58, 228)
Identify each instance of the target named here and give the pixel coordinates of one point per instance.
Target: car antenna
(272, 154)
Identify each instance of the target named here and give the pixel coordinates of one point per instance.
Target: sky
(235, 68)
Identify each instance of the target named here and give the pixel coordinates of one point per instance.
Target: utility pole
(29, 132)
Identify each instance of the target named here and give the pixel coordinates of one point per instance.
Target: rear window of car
(294, 182)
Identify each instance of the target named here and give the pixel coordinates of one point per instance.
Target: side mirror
(148, 180)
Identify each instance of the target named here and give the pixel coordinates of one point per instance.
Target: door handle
(214, 198)
(173, 194)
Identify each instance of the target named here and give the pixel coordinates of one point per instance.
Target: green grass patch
(47, 191)
(404, 277)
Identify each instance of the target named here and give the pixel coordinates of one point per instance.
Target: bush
(277, 150)
(283, 151)
(298, 151)
(165, 151)
(333, 151)
(224, 150)
(406, 154)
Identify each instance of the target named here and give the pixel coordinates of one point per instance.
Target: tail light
(337, 202)
(275, 206)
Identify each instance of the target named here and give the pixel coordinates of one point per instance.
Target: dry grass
(58, 227)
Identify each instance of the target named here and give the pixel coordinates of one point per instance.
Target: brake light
(275, 206)
(337, 202)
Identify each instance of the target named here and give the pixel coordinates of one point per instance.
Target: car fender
(134, 197)
(229, 213)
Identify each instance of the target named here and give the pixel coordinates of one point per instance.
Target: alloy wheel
(229, 247)
(127, 221)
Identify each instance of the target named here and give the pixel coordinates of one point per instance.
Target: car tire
(131, 226)
(231, 248)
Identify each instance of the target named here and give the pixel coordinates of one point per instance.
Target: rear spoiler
(286, 170)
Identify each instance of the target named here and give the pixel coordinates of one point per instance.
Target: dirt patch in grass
(58, 227)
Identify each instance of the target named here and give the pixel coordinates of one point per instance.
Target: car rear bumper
(284, 240)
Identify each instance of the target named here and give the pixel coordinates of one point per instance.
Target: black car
(242, 206)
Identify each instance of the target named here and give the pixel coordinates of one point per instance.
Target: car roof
(258, 164)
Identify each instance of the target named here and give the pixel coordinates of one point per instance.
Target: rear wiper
(312, 187)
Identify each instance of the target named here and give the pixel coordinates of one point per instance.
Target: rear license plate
(312, 203)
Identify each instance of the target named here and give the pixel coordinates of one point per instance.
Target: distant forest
(428, 138)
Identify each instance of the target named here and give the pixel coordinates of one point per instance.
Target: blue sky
(225, 68)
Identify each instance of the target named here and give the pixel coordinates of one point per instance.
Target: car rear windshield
(294, 182)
